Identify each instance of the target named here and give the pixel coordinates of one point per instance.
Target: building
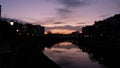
(88, 31)
(0, 11)
(39, 30)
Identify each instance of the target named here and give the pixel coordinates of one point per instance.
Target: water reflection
(68, 55)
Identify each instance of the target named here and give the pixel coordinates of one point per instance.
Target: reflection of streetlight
(11, 23)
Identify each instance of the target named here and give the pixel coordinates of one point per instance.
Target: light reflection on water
(68, 55)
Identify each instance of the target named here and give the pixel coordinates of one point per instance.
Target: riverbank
(102, 45)
(104, 52)
(24, 54)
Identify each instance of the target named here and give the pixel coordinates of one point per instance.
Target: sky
(57, 15)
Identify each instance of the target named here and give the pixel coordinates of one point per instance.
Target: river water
(68, 55)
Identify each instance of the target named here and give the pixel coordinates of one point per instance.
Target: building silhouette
(108, 28)
(0, 11)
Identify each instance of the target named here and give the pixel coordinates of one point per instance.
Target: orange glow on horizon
(60, 31)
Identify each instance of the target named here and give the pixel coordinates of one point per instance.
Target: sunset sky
(60, 14)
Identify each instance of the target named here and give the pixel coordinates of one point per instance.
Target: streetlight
(11, 23)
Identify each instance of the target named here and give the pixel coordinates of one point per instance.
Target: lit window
(20, 34)
(101, 34)
(32, 34)
(28, 34)
(17, 30)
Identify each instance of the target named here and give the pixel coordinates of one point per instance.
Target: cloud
(63, 12)
(81, 23)
(68, 7)
(58, 23)
(72, 3)
(65, 27)
(49, 19)
(32, 19)
(68, 27)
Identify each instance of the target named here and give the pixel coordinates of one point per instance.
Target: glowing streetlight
(11, 23)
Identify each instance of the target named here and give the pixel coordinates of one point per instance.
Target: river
(68, 55)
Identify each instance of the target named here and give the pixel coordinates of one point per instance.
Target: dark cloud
(68, 7)
(81, 23)
(63, 12)
(58, 23)
(72, 3)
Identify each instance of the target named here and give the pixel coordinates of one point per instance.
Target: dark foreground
(24, 54)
